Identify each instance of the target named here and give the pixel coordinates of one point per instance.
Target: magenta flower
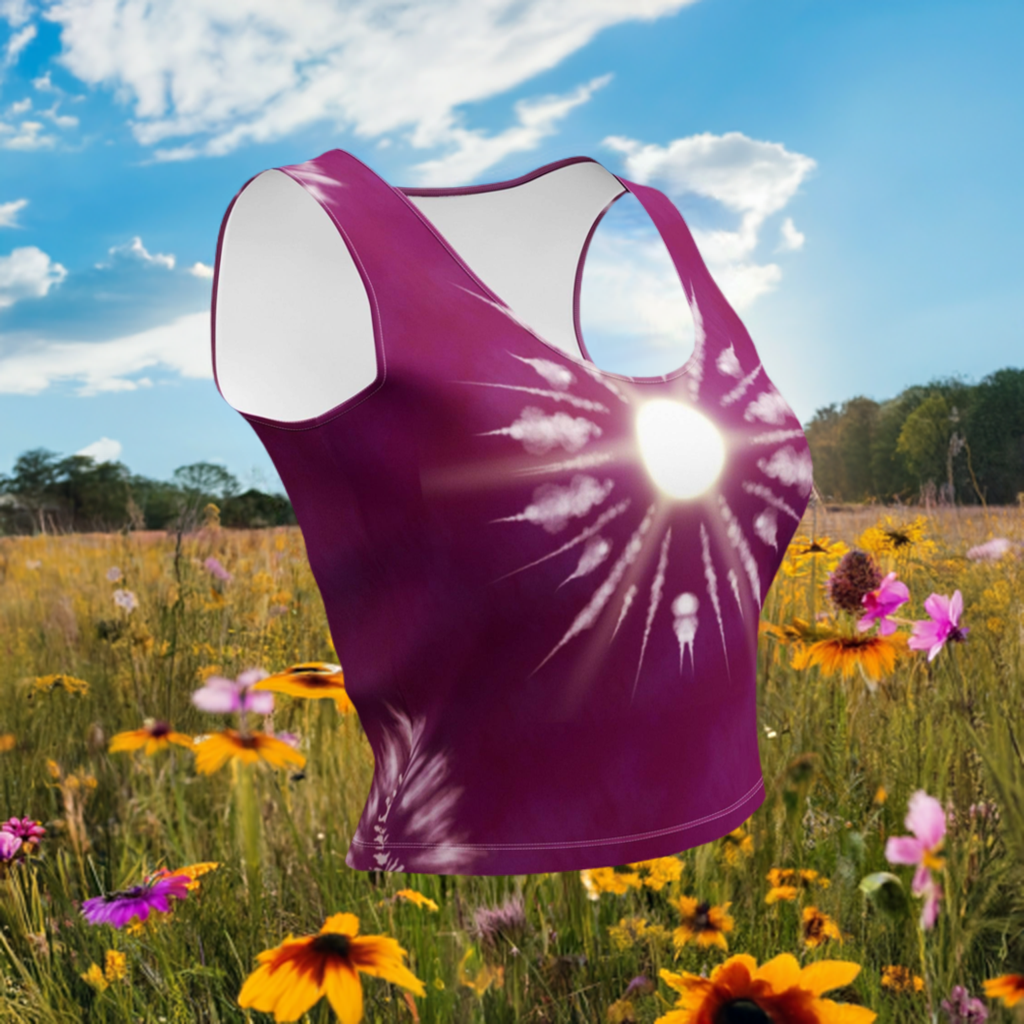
(962, 1008)
(218, 570)
(118, 908)
(990, 551)
(221, 696)
(944, 625)
(927, 820)
(878, 604)
(9, 846)
(126, 599)
(25, 829)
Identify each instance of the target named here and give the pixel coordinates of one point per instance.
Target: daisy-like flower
(1007, 987)
(786, 883)
(25, 829)
(657, 873)
(296, 974)
(931, 634)
(153, 736)
(736, 844)
(873, 656)
(902, 539)
(779, 990)
(927, 820)
(803, 553)
(126, 599)
(702, 922)
(214, 751)
(118, 908)
(222, 696)
(599, 880)
(880, 603)
(312, 679)
(818, 928)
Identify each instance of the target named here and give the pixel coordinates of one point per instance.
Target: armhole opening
(295, 331)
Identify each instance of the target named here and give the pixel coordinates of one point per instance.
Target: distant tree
(255, 508)
(206, 479)
(93, 495)
(994, 427)
(31, 482)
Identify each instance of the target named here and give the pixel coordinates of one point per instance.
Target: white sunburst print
(411, 804)
(564, 423)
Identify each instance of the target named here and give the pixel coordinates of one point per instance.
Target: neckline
(586, 364)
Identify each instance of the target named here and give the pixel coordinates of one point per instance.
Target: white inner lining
(294, 335)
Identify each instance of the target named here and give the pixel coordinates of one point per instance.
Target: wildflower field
(181, 772)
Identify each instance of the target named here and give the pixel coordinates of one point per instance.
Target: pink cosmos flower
(218, 570)
(221, 696)
(118, 908)
(9, 846)
(26, 830)
(945, 612)
(927, 820)
(882, 602)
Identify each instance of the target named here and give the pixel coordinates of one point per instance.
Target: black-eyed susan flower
(901, 979)
(702, 923)
(611, 880)
(874, 656)
(293, 976)
(737, 844)
(804, 553)
(1007, 987)
(779, 990)
(786, 883)
(311, 679)
(214, 751)
(889, 537)
(153, 736)
(817, 928)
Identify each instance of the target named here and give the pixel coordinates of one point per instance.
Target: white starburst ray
(738, 540)
(597, 549)
(606, 517)
(774, 436)
(768, 495)
(539, 432)
(734, 582)
(737, 392)
(553, 506)
(558, 396)
(711, 578)
(627, 601)
(586, 461)
(656, 587)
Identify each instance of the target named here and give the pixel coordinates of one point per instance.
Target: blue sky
(851, 172)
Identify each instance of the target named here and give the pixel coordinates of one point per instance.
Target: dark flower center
(331, 944)
(126, 894)
(701, 919)
(957, 634)
(159, 730)
(742, 1011)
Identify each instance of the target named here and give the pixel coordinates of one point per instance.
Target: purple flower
(961, 1008)
(641, 983)
(990, 551)
(218, 570)
(9, 846)
(945, 612)
(882, 602)
(927, 820)
(118, 908)
(221, 696)
(113, 574)
(126, 599)
(27, 830)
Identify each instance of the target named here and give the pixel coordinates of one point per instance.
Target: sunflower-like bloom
(778, 990)
(902, 539)
(803, 552)
(1008, 987)
(293, 976)
(213, 752)
(818, 928)
(901, 979)
(786, 882)
(153, 736)
(874, 656)
(702, 922)
(313, 679)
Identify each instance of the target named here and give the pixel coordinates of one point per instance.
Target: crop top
(543, 579)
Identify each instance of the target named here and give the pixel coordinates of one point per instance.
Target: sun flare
(682, 449)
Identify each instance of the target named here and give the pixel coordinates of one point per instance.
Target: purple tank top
(543, 579)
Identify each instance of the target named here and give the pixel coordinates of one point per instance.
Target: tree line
(956, 443)
(48, 493)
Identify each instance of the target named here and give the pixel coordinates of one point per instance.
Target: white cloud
(27, 273)
(9, 213)
(476, 151)
(182, 346)
(136, 248)
(106, 449)
(15, 12)
(201, 270)
(752, 178)
(20, 106)
(28, 135)
(17, 42)
(43, 83)
(220, 73)
(791, 238)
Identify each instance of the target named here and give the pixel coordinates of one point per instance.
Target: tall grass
(953, 727)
